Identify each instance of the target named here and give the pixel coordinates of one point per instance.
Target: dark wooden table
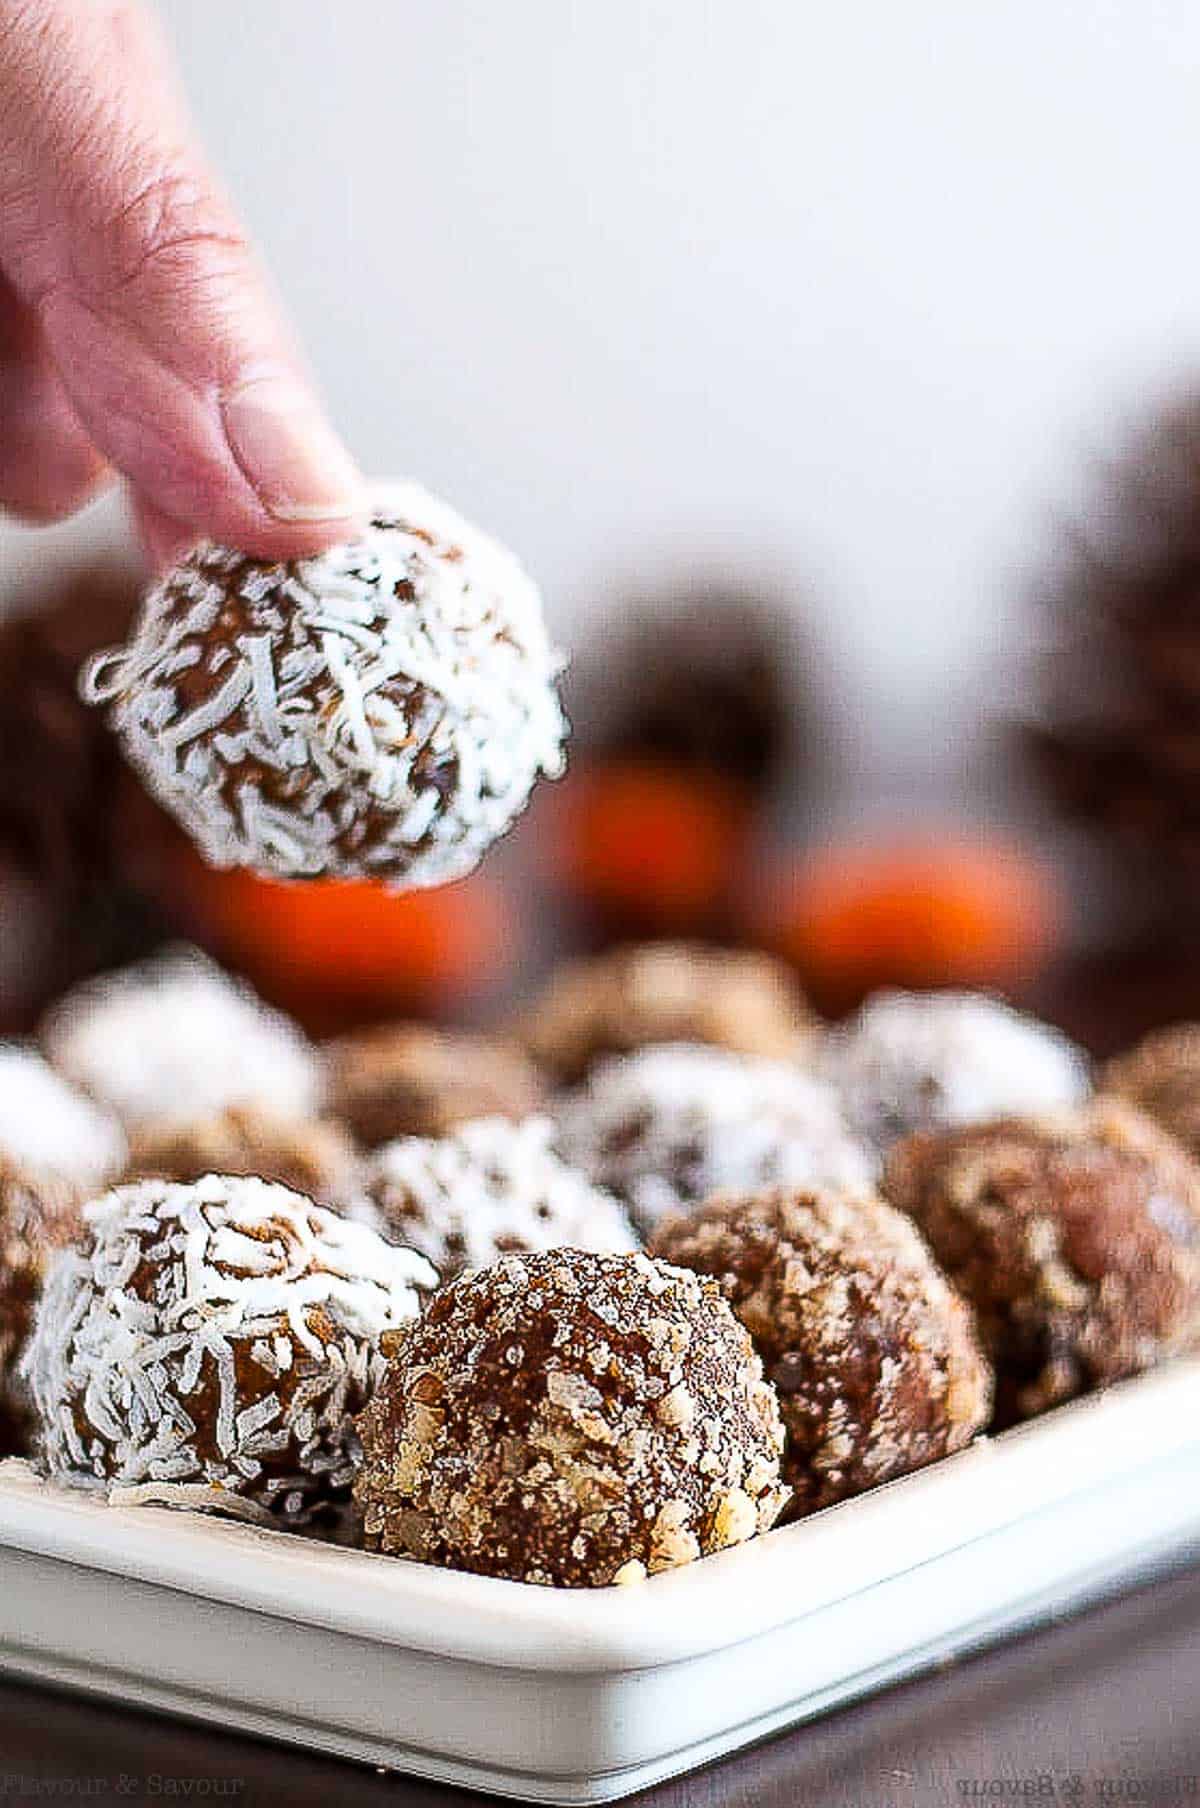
(1101, 1708)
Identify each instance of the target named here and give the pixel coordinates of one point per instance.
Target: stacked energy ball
(667, 1262)
(586, 1301)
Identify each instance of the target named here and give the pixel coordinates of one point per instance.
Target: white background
(843, 295)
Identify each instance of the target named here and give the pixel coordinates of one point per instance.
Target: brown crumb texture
(406, 1079)
(666, 992)
(16, 1427)
(312, 1156)
(1076, 1238)
(874, 1356)
(1161, 1075)
(39, 1214)
(570, 1419)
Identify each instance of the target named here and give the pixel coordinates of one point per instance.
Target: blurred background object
(694, 723)
(701, 679)
(1117, 736)
(945, 908)
(339, 951)
(647, 849)
(67, 904)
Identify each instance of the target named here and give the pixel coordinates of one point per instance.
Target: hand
(137, 333)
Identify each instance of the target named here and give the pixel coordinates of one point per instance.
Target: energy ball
(922, 1060)
(406, 1079)
(49, 1128)
(660, 992)
(175, 1039)
(379, 711)
(666, 1128)
(491, 1189)
(15, 1430)
(56, 1150)
(873, 1356)
(570, 1419)
(313, 1156)
(209, 1345)
(1161, 1075)
(38, 1215)
(1075, 1238)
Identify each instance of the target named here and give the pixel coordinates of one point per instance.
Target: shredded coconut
(176, 1039)
(219, 1335)
(380, 710)
(491, 1188)
(915, 1061)
(48, 1128)
(668, 1127)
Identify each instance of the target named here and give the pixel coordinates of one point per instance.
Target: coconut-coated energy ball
(209, 1345)
(571, 1419)
(668, 1127)
(660, 992)
(1161, 1076)
(921, 1060)
(1075, 1238)
(56, 1149)
(47, 1127)
(175, 1039)
(408, 1079)
(379, 711)
(313, 1156)
(873, 1355)
(490, 1189)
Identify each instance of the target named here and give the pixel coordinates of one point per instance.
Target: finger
(169, 346)
(163, 539)
(48, 466)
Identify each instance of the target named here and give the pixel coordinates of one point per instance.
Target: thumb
(153, 308)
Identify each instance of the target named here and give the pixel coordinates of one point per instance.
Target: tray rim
(707, 1607)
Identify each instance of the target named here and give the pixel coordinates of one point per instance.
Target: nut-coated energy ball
(407, 1079)
(922, 1060)
(35, 1222)
(209, 1345)
(491, 1189)
(175, 1039)
(379, 711)
(1076, 1239)
(666, 1128)
(658, 992)
(1161, 1076)
(571, 1419)
(48, 1128)
(873, 1355)
(38, 1216)
(56, 1149)
(313, 1156)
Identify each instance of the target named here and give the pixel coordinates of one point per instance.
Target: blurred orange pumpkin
(349, 942)
(650, 847)
(953, 910)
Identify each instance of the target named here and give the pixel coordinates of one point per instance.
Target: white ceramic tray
(567, 1696)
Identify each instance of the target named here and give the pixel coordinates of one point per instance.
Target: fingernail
(299, 468)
